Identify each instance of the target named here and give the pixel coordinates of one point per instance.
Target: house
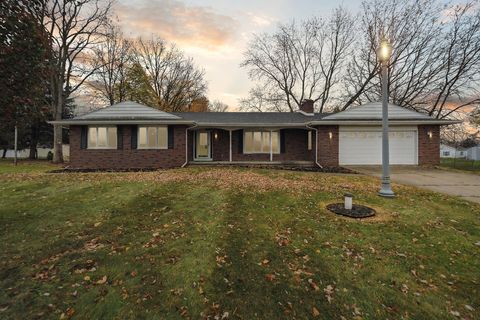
(473, 153)
(449, 151)
(131, 135)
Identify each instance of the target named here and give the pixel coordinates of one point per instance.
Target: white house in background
(473, 153)
(41, 152)
(447, 151)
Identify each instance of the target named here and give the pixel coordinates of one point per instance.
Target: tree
(137, 86)
(217, 106)
(174, 78)
(301, 60)
(113, 58)
(73, 28)
(435, 59)
(24, 55)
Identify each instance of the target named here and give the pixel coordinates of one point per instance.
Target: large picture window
(259, 142)
(153, 137)
(102, 137)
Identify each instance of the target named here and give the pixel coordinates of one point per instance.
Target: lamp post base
(386, 189)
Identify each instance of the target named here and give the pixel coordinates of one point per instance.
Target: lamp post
(384, 54)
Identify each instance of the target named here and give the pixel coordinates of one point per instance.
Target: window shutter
(83, 137)
(119, 137)
(240, 141)
(170, 137)
(282, 141)
(134, 136)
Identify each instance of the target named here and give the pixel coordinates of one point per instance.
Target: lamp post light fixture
(384, 53)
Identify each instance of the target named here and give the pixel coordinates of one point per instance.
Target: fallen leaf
(270, 277)
(103, 280)
(315, 312)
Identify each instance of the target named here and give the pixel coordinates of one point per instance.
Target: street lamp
(384, 53)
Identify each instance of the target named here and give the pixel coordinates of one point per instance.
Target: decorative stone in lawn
(357, 211)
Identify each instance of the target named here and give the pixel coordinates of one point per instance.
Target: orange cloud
(175, 21)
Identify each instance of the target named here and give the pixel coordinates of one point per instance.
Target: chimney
(306, 106)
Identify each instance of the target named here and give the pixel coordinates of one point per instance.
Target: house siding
(428, 148)
(127, 157)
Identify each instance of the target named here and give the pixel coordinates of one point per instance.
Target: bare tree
(73, 27)
(302, 60)
(435, 57)
(113, 58)
(217, 106)
(174, 78)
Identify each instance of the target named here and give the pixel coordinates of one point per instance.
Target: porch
(251, 146)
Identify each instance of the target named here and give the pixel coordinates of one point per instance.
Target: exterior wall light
(348, 201)
(216, 135)
(330, 135)
(430, 134)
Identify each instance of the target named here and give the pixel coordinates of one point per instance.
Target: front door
(202, 146)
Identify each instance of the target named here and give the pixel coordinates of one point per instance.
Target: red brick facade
(295, 149)
(428, 148)
(127, 157)
(328, 146)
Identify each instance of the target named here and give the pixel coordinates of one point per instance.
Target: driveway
(464, 185)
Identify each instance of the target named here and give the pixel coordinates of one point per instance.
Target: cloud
(176, 21)
(261, 20)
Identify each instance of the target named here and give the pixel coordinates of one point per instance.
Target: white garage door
(363, 145)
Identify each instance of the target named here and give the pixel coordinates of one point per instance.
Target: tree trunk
(57, 129)
(4, 153)
(33, 142)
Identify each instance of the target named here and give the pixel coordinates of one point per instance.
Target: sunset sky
(215, 32)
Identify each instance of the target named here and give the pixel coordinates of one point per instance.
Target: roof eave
(379, 122)
(118, 122)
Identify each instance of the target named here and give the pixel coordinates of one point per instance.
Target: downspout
(316, 145)
(186, 144)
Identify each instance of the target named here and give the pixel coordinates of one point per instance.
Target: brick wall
(428, 148)
(127, 157)
(328, 148)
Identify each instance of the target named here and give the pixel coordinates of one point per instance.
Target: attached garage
(362, 145)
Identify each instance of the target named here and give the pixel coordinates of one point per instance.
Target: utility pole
(15, 147)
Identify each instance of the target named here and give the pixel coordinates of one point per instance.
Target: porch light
(216, 135)
(330, 135)
(348, 201)
(430, 134)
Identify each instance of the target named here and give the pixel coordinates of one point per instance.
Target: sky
(215, 33)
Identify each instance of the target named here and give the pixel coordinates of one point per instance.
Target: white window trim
(147, 147)
(261, 147)
(100, 148)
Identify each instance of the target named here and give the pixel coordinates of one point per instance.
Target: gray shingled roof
(128, 110)
(233, 118)
(373, 111)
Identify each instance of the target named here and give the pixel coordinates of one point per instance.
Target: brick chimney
(306, 106)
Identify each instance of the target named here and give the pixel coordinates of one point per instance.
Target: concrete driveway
(464, 185)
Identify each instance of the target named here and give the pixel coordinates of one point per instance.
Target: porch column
(230, 154)
(271, 149)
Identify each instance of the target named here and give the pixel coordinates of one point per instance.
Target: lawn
(461, 164)
(199, 243)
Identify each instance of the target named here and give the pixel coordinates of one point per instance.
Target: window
(152, 137)
(259, 142)
(102, 137)
(446, 153)
(309, 140)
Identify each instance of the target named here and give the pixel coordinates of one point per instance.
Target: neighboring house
(473, 153)
(448, 151)
(41, 152)
(131, 135)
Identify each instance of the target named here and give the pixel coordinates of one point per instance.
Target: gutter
(186, 144)
(316, 145)
(118, 122)
(379, 122)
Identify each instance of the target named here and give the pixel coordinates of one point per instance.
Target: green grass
(7, 166)
(243, 243)
(461, 164)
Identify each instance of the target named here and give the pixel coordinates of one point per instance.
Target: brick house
(131, 135)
